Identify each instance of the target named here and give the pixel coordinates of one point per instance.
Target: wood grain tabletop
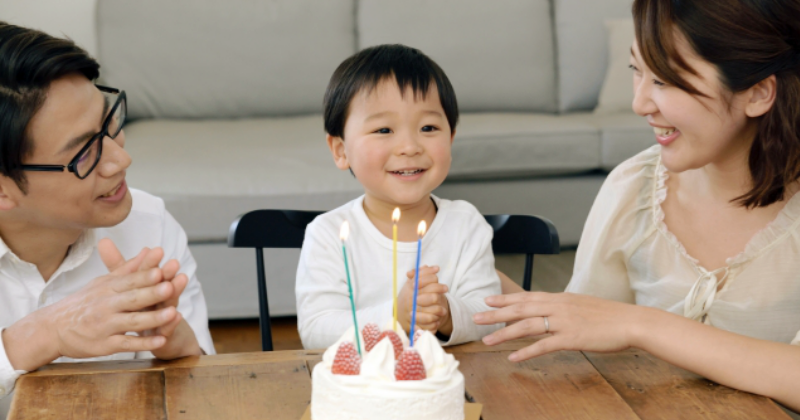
(277, 385)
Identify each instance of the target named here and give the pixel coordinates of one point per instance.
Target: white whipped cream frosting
(376, 394)
(377, 366)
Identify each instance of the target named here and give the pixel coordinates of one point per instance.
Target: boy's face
(398, 146)
(73, 109)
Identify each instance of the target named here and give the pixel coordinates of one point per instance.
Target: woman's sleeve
(615, 224)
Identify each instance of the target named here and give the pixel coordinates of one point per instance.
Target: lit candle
(343, 236)
(395, 219)
(420, 233)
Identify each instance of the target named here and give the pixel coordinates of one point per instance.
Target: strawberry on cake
(390, 380)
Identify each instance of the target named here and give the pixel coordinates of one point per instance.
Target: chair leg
(263, 303)
(526, 280)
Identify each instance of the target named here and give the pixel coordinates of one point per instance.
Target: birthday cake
(389, 380)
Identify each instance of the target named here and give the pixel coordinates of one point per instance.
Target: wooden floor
(242, 335)
(551, 273)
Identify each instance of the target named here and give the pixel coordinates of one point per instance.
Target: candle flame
(345, 231)
(421, 228)
(396, 215)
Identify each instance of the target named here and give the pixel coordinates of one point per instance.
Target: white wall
(74, 19)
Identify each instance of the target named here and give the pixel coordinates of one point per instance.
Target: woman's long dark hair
(748, 41)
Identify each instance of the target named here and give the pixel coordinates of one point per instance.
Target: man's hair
(29, 61)
(367, 68)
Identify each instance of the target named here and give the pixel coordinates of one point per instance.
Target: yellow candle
(395, 219)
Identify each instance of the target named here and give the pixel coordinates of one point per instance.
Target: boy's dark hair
(29, 61)
(367, 68)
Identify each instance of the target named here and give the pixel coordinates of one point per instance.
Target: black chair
(259, 229)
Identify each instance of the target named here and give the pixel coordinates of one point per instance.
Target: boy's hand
(433, 310)
(180, 339)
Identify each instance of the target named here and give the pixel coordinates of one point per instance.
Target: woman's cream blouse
(627, 254)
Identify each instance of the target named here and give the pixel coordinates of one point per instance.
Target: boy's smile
(407, 172)
(397, 144)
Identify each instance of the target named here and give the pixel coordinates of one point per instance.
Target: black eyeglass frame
(72, 166)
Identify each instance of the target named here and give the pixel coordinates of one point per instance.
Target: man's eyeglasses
(87, 158)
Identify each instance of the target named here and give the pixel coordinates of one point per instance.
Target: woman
(702, 230)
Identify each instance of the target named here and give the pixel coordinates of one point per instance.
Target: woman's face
(694, 131)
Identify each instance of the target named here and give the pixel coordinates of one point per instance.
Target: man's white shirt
(23, 290)
(459, 241)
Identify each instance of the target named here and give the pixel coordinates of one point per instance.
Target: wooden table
(564, 385)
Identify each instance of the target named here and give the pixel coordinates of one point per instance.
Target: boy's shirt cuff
(464, 328)
(8, 375)
(458, 335)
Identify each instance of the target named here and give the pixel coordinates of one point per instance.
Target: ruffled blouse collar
(778, 229)
(705, 288)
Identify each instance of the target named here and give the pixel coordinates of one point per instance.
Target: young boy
(390, 117)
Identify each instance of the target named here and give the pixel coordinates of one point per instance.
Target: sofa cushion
(498, 54)
(582, 51)
(622, 136)
(616, 95)
(218, 59)
(73, 19)
(211, 171)
(509, 144)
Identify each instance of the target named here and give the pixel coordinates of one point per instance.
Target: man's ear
(336, 144)
(452, 136)
(8, 192)
(762, 97)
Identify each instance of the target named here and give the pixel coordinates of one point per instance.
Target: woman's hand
(576, 322)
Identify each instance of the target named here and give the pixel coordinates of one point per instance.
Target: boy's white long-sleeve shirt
(459, 241)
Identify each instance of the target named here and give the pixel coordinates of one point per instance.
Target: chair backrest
(521, 234)
(513, 234)
(270, 229)
(259, 229)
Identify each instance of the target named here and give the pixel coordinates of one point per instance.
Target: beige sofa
(226, 102)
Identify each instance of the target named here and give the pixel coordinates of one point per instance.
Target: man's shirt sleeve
(8, 376)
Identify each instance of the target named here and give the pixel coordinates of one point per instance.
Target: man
(67, 218)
